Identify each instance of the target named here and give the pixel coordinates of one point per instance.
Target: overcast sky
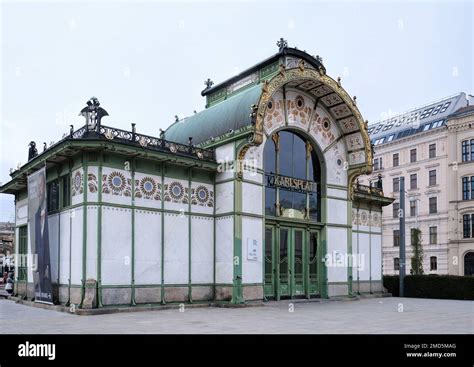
(147, 61)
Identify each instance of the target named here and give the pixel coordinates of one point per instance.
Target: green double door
(291, 262)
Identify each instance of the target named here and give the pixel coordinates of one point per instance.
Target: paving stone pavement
(365, 316)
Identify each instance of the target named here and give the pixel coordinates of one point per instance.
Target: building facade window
(66, 183)
(468, 188)
(433, 205)
(432, 177)
(465, 188)
(413, 235)
(413, 208)
(472, 150)
(22, 251)
(467, 225)
(378, 164)
(413, 181)
(432, 150)
(396, 184)
(412, 155)
(467, 150)
(469, 263)
(53, 196)
(296, 160)
(396, 237)
(433, 235)
(433, 263)
(396, 160)
(396, 264)
(396, 208)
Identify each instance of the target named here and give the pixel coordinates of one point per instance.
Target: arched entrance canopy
(238, 107)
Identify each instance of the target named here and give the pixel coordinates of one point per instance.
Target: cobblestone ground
(366, 316)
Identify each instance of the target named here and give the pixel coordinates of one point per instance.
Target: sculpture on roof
(208, 83)
(93, 113)
(282, 44)
(32, 152)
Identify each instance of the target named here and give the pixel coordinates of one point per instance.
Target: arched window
(469, 263)
(293, 177)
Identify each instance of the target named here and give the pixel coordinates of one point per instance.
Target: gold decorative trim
(269, 87)
(276, 139)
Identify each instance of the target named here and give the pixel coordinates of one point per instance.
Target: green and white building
(263, 203)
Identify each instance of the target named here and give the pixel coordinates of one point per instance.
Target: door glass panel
(298, 257)
(313, 256)
(284, 256)
(268, 256)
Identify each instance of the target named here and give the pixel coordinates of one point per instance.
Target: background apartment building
(427, 146)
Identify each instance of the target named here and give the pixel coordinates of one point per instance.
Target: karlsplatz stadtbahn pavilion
(263, 203)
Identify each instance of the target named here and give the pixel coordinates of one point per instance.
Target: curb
(139, 308)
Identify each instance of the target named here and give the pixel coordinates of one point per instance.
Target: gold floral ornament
(109, 134)
(143, 142)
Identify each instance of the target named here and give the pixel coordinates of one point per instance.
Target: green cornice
(76, 146)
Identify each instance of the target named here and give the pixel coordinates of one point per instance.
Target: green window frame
(22, 263)
(66, 191)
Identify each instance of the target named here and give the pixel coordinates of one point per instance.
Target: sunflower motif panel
(116, 185)
(147, 190)
(202, 198)
(375, 219)
(77, 186)
(176, 194)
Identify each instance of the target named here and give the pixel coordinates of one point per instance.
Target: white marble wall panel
(202, 250)
(337, 254)
(337, 211)
(176, 257)
(76, 245)
(64, 253)
(376, 256)
(252, 230)
(224, 250)
(21, 212)
(91, 255)
(224, 197)
(116, 246)
(252, 198)
(147, 247)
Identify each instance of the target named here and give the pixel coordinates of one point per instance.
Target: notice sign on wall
(252, 249)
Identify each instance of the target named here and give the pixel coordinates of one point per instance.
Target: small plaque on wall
(252, 249)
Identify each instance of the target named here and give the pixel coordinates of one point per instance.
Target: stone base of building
(367, 286)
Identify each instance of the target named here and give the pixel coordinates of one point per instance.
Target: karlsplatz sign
(291, 183)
